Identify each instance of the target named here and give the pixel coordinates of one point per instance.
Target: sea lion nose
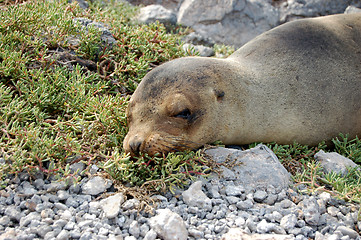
(135, 146)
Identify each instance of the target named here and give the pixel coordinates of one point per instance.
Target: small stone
(234, 190)
(301, 223)
(69, 226)
(77, 167)
(150, 235)
(333, 211)
(325, 196)
(232, 208)
(271, 199)
(39, 184)
(195, 233)
(213, 190)
(66, 215)
(85, 224)
(194, 197)
(240, 222)
(74, 189)
(306, 231)
(103, 231)
(130, 238)
(95, 186)
(49, 235)
(144, 228)
(159, 198)
(232, 199)
(43, 230)
(219, 228)
(25, 221)
(63, 235)
(13, 213)
(265, 227)
(94, 207)
(47, 213)
(347, 231)
(60, 206)
(71, 202)
(56, 186)
(5, 220)
(111, 205)
(259, 196)
(244, 205)
(288, 222)
(130, 204)
(63, 195)
(169, 225)
(60, 223)
(286, 203)
(311, 211)
(277, 216)
(75, 234)
(282, 195)
(134, 229)
(87, 236)
(294, 231)
(94, 168)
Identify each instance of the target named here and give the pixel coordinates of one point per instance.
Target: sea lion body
(299, 82)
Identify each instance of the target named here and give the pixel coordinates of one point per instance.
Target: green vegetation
(299, 161)
(64, 91)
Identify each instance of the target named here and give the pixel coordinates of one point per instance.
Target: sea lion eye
(185, 114)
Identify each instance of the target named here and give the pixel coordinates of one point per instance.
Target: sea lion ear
(219, 94)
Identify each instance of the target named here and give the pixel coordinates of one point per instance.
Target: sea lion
(300, 81)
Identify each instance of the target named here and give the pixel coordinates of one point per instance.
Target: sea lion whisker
(183, 144)
(184, 141)
(168, 147)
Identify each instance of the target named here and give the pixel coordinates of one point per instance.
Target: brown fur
(298, 82)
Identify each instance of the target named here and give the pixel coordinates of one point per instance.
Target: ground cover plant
(64, 91)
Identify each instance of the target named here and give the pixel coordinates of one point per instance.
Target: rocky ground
(251, 200)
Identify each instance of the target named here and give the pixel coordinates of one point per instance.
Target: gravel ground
(44, 210)
(207, 209)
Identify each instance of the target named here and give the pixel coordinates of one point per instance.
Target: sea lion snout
(133, 144)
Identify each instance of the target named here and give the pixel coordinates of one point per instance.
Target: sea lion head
(176, 107)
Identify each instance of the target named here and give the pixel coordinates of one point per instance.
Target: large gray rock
(295, 9)
(352, 9)
(230, 22)
(169, 4)
(235, 22)
(256, 168)
(153, 13)
(334, 162)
